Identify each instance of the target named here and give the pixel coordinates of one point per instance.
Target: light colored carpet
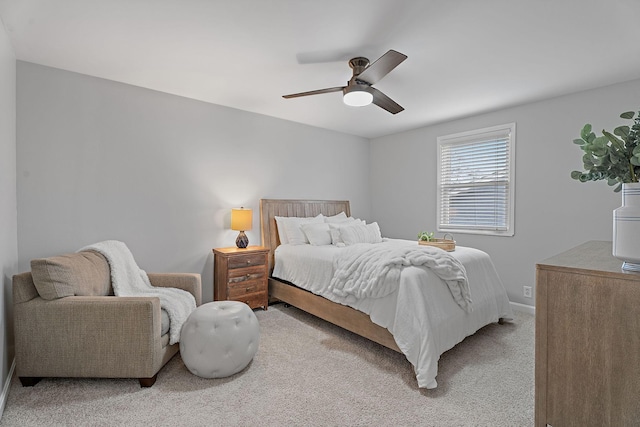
(306, 373)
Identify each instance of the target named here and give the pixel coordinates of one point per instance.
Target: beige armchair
(73, 326)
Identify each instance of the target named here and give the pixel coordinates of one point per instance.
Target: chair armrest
(67, 336)
(190, 282)
(23, 288)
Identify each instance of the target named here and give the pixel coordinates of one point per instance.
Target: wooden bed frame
(338, 314)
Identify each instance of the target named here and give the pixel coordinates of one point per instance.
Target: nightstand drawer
(248, 260)
(244, 274)
(239, 290)
(253, 300)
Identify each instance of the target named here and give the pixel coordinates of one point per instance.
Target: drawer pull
(247, 289)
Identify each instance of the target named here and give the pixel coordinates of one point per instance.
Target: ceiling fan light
(357, 96)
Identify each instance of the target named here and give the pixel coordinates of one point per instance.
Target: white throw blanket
(373, 270)
(129, 280)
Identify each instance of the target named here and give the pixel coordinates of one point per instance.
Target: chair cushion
(81, 273)
(165, 323)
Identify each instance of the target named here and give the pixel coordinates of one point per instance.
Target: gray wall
(8, 207)
(102, 160)
(553, 212)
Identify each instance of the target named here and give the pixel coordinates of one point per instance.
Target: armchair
(73, 326)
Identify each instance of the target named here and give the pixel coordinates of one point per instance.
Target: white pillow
(336, 218)
(334, 229)
(292, 230)
(359, 233)
(318, 234)
(282, 235)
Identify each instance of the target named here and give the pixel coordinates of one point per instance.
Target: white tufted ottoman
(219, 339)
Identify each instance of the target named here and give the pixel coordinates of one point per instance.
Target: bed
(420, 319)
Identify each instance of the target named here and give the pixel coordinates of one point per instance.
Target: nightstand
(241, 275)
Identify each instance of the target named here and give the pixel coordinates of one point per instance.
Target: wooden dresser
(587, 370)
(241, 275)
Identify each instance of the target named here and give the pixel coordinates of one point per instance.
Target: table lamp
(241, 220)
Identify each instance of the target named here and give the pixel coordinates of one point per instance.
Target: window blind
(475, 181)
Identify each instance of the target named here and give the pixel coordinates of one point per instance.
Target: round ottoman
(219, 339)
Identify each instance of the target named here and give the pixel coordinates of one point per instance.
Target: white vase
(626, 228)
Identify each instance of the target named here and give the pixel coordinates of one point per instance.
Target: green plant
(425, 236)
(612, 156)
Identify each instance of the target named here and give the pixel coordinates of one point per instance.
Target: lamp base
(242, 241)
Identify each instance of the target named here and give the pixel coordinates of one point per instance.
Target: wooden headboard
(270, 208)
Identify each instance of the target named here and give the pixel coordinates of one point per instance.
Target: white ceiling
(465, 56)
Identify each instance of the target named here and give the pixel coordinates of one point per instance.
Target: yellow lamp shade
(241, 219)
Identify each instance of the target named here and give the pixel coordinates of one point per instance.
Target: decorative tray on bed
(446, 244)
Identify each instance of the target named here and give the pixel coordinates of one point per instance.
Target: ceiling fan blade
(324, 56)
(383, 101)
(381, 67)
(314, 92)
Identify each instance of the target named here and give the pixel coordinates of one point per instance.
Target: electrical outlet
(527, 291)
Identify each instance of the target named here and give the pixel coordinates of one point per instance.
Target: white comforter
(373, 271)
(421, 313)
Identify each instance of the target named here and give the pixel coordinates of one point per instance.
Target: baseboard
(522, 307)
(5, 389)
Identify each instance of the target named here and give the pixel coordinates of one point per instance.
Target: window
(476, 181)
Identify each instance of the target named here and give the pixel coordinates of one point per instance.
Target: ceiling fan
(359, 91)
